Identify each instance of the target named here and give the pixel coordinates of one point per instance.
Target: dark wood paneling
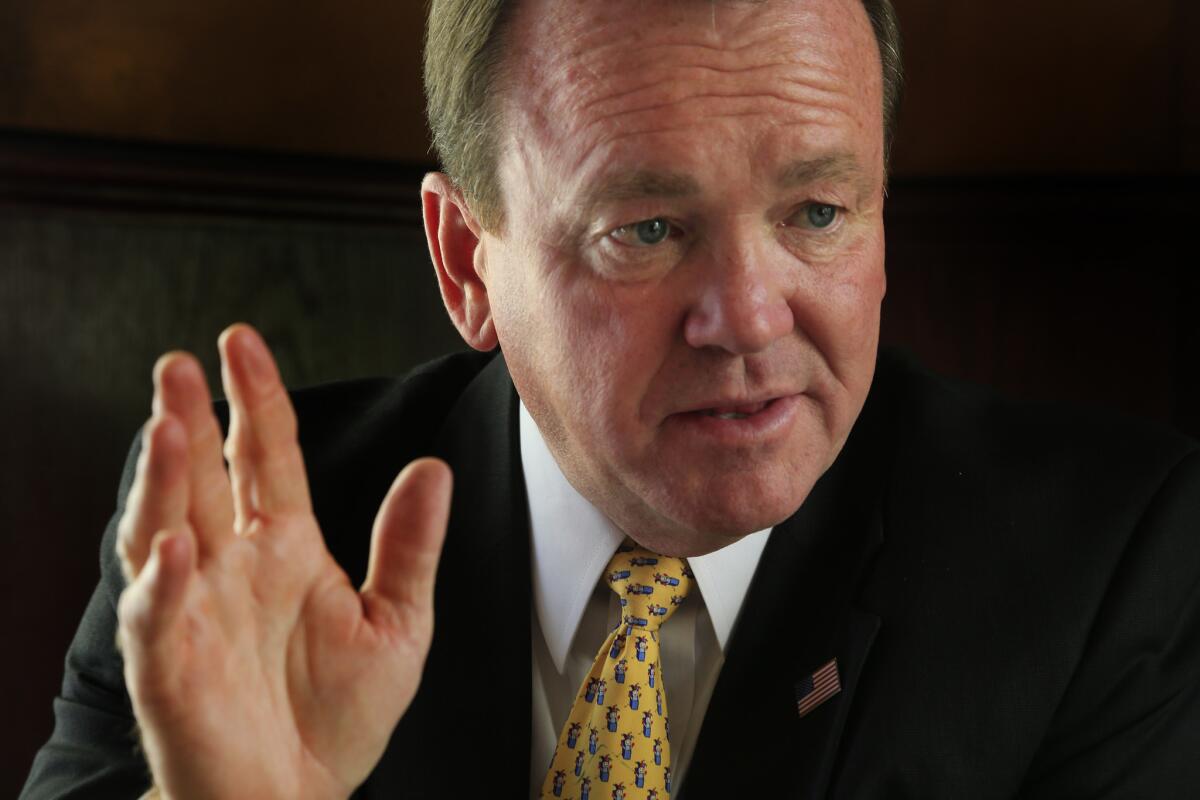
(62, 171)
(1024, 86)
(322, 76)
(1186, 78)
(1034, 87)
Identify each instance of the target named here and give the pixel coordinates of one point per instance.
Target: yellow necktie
(614, 745)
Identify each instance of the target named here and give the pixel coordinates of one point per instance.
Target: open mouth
(742, 424)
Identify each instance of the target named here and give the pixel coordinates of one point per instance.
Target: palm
(308, 685)
(255, 668)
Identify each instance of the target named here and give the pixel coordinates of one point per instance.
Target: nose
(742, 303)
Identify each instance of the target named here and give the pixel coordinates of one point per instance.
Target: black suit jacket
(1012, 595)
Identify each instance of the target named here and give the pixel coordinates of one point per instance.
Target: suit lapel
(470, 720)
(799, 614)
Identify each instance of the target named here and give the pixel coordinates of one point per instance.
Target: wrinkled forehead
(588, 72)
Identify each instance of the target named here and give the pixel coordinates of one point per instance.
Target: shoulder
(357, 435)
(349, 419)
(339, 420)
(952, 433)
(995, 507)
(1043, 562)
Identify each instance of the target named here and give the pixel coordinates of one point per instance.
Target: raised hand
(255, 668)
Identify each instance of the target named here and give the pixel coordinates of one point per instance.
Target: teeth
(727, 416)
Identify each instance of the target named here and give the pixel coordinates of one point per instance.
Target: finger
(158, 498)
(406, 541)
(181, 390)
(151, 606)
(266, 466)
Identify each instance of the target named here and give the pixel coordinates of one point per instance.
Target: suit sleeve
(1128, 725)
(94, 751)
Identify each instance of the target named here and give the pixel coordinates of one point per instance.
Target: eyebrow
(644, 184)
(837, 167)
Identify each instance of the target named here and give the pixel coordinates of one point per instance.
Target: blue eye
(651, 231)
(821, 215)
(647, 233)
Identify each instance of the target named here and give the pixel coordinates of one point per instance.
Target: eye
(646, 233)
(820, 215)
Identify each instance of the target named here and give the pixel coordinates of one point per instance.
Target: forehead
(592, 81)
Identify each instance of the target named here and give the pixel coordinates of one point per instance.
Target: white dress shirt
(573, 610)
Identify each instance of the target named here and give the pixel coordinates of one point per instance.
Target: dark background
(167, 168)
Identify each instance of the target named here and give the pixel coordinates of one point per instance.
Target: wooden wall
(1026, 86)
(325, 76)
(167, 168)
(1062, 87)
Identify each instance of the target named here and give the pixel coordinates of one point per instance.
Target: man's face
(688, 284)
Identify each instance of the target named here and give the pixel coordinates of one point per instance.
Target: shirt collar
(572, 543)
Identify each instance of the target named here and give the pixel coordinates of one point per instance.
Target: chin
(714, 519)
(734, 523)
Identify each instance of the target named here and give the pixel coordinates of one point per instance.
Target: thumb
(406, 541)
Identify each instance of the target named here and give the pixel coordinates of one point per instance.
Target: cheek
(844, 308)
(575, 348)
(600, 336)
(613, 341)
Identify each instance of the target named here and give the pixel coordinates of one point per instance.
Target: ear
(454, 236)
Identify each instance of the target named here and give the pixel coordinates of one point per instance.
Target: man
(669, 216)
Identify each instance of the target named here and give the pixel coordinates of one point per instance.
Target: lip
(772, 422)
(719, 402)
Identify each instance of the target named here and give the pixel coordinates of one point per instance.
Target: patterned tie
(615, 738)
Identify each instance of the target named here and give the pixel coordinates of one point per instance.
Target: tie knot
(650, 586)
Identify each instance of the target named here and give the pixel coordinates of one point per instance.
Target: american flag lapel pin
(815, 689)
